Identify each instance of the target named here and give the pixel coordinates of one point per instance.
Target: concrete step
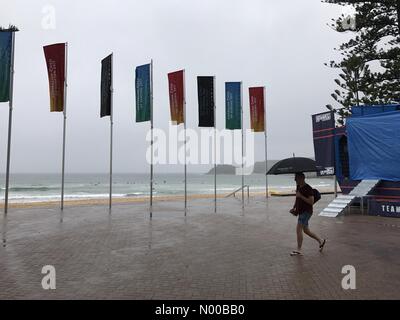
(341, 201)
(345, 198)
(338, 205)
(333, 210)
(328, 214)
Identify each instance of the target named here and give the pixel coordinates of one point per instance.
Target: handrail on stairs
(238, 190)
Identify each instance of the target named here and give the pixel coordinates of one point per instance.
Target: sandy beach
(128, 200)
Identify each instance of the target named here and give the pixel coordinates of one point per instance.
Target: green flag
(143, 93)
(5, 64)
(233, 103)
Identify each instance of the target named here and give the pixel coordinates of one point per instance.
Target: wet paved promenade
(234, 254)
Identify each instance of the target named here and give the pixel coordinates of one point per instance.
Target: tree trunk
(357, 91)
(398, 14)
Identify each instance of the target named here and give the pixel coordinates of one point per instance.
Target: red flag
(257, 109)
(55, 59)
(176, 96)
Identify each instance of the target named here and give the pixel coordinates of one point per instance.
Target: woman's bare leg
(299, 231)
(308, 232)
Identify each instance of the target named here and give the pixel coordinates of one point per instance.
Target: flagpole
(152, 140)
(241, 95)
(336, 188)
(10, 123)
(266, 166)
(334, 162)
(266, 147)
(215, 148)
(111, 129)
(184, 119)
(64, 125)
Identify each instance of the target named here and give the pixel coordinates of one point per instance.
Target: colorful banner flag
(5, 65)
(55, 59)
(324, 142)
(143, 93)
(176, 96)
(205, 89)
(233, 105)
(257, 109)
(106, 86)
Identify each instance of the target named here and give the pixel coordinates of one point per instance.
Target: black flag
(106, 86)
(205, 87)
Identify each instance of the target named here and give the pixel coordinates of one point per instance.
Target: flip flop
(321, 247)
(295, 253)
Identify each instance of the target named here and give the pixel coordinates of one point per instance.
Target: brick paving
(234, 254)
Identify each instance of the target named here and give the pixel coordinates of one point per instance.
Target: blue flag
(5, 65)
(143, 93)
(233, 104)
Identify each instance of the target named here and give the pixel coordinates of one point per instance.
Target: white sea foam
(39, 188)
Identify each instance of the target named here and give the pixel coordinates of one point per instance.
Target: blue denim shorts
(304, 218)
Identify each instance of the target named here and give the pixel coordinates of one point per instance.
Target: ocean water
(47, 187)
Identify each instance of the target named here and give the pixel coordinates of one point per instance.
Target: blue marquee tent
(360, 111)
(374, 146)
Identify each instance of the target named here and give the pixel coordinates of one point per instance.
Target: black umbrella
(294, 165)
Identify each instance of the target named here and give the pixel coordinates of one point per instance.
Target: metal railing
(238, 190)
(363, 200)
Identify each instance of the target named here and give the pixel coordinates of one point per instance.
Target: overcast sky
(278, 44)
